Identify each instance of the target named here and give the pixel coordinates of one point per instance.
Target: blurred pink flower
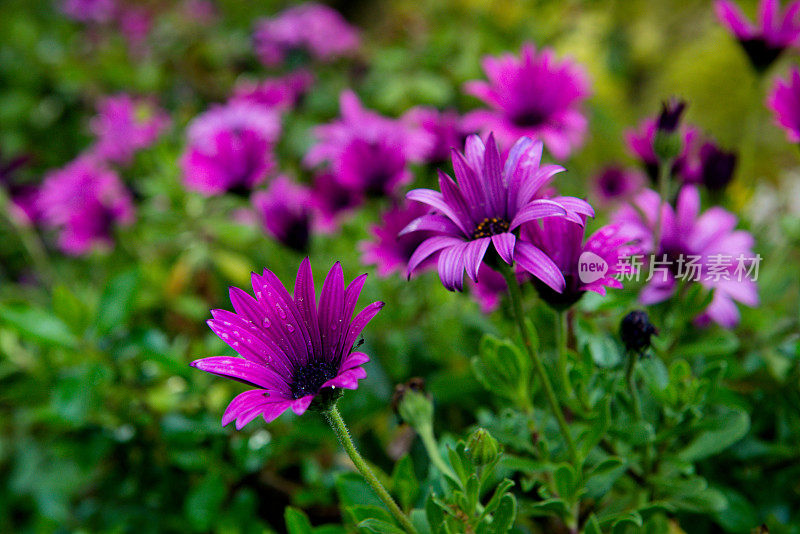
(688, 234)
(386, 249)
(124, 125)
(282, 92)
(534, 96)
(784, 101)
(84, 201)
(285, 211)
(311, 27)
(774, 33)
(230, 148)
(446, 129)
(89, 10)
(367, 152)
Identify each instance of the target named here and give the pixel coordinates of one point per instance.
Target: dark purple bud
(636, 330)
(718, 166)
(670, 117)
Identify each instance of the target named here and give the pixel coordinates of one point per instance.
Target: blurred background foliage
(105, 427)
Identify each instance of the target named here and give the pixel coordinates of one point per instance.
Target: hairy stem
(432, 448)
(340, 428)
(664, 174)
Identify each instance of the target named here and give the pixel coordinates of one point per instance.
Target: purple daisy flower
(702, 239)
(562, 241)
(784, 101)
(446, 129)
(283, 92)
(368, 153)
(717, 166)
(230, 148)
(615, 183)
(487, 205)
(687, 165)
(775, 32)
(331, 201)
(84, 201)
(388, 250)
(312, 28)
(534, 96)
(124, 125)
(285, 210)
(293, 350)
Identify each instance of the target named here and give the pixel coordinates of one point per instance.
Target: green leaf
(69, 308)
(740, 515)
(499, 491)
(503, 518)
(566, 482)
(361, 512)
(353, 490)
(600, 479)
(502, 368)
(592, 526)
(38, 325)
(719, 433)
(404, 482)
(379, 527)
(547, 507)
(297, 521)
(117, 301)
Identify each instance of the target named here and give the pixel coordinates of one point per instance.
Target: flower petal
(473, 256)
(504, 244)
(538, 209)
(436, 200)
(428, 247)
(346, 380)
(539, 264)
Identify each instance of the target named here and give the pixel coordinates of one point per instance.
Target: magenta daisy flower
(368, 153)
(230, 148)
(331, 202)
(699, 247)
(592, 265)
(282, 92)
(124, 125)
(293, 350)
(774, 33)
(615, 183)
(388, 250)
(84, 201)
(486, 206)
(446, 129)
(784, 101)
(687, 165)
(535, 96)
(311, 28)
(285, 210)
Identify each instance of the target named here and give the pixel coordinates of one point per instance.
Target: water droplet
(289, 328)
(266, 322)
(281, 311)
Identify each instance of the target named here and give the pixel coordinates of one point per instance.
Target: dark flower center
(489, 227)
(309, 378)
(528, 118)
(560, 301)
(297, 234)
(760, 52)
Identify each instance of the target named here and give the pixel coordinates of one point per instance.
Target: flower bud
(668, 143)
(412, 404)
(636, 330)
(482, 448)
(718, 166)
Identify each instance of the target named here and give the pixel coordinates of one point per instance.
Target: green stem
(31, 242)
(561, 341)
(340, 428)
(630, 379)
(516, 302)
(664, 172)
(432, 448)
